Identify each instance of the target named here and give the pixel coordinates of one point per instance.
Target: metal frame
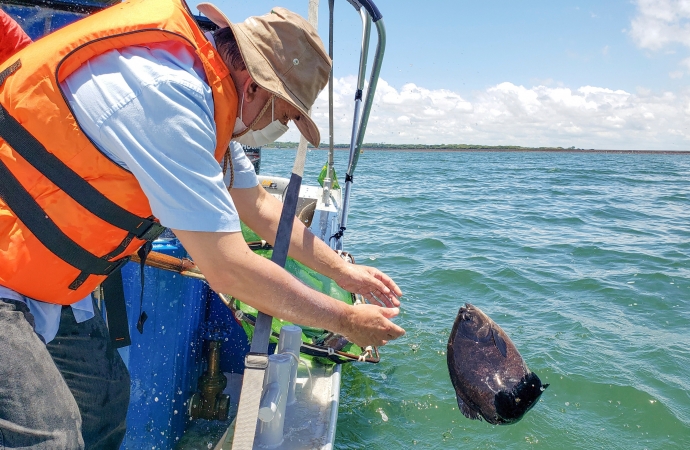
(369, 14)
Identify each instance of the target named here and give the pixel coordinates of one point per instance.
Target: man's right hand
(371, 325)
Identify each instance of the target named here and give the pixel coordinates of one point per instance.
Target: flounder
(490, 378)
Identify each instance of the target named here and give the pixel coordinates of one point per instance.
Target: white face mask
(258, 138)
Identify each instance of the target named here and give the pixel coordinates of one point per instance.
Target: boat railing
(369, 14)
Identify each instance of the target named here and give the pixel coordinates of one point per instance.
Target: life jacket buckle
(118, 265)
(151, 232)
(115, 266)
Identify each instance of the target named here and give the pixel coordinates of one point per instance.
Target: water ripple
(584, 260)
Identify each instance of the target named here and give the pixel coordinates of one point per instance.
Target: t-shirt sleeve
(243, 169)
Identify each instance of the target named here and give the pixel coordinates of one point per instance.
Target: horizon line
(469, 148)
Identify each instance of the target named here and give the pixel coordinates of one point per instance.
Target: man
(12, 37)
(119, 118)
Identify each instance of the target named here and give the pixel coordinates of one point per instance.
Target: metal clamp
(256, 361)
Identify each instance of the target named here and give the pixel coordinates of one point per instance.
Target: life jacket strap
(45, 230)
(18, 199)
(9, 70)
(114, 297)
(29, 148)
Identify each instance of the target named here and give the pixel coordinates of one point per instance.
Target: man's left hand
(374, 285)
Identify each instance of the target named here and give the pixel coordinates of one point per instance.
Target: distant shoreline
(492, 150)
(529, 150)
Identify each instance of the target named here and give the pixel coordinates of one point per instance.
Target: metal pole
(373, 81)
(331, 7)
(356, 125)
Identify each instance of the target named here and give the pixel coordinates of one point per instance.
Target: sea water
(583, 259)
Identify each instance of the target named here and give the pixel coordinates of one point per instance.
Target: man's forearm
(230, 267)
(261, 212)
(237, 271)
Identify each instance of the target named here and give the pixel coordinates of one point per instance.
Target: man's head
(284, 57)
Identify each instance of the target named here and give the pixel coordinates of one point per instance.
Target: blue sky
(590, 74)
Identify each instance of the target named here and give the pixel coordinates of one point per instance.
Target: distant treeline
(425, 146)
(474, 147)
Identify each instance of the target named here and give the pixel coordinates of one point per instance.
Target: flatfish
(490, 378)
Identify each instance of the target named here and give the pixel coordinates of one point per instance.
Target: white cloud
(685, 63)
(661, 22)
(507, 114)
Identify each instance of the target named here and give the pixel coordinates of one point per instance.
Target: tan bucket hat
(283, 55)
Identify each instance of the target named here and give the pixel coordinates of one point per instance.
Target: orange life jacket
(69, 216)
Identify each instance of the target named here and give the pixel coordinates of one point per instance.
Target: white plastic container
(289, 342)
(273, 401)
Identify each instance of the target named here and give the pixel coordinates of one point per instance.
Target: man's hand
(374, 285)
(370, 325)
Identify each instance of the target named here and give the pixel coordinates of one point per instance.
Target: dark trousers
(70, 394)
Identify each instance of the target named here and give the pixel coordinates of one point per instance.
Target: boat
(187, 365)
(254, 155)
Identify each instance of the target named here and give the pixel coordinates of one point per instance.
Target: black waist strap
(69, 181)
(45, 230)
(35, 219)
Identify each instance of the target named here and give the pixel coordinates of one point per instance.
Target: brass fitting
(210, 403)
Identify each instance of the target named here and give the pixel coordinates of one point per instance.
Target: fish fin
(500, 343)
(512, 404)
(467, 411)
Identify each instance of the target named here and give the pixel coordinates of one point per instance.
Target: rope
(306, 366)
(311, 382)
(367, 352)
(339, 234)
(227, 160)
(261, 113)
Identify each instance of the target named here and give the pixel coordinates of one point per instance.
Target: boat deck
(309, 423)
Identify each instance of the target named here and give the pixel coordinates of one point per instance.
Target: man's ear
(250, 90)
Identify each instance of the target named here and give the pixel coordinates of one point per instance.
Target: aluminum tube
(373, 81)
(331, 143)
(357, 120)
(289, 343)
